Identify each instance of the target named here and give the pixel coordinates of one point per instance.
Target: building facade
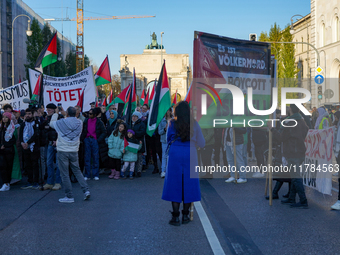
(321, 28)
(148, 67)
(9, 10)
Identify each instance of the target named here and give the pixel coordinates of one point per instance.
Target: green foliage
(284, 55)
(105, 90)
(34, 44)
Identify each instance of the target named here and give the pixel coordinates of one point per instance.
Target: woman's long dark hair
(115, 133)
(337, 114)
(183, 119)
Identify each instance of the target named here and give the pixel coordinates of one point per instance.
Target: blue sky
(178, 20)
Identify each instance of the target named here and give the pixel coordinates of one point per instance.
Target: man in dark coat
(29, 139)
(294, 150)
(93, 135)
(138, 126)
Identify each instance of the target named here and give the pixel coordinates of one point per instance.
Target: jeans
(66, 160)
(51, 154)
(164, 157)
(297, 183)
(239, 158)
(245, 154)
(91, 152)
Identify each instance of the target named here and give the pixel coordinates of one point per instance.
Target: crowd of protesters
(32, 143)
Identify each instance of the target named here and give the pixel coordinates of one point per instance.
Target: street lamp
(162, 48)
(28, 33)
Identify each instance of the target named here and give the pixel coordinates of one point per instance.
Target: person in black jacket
(7, 152)
(138, 126)
(111, 124)
(50, 137)
(294, 150)
(94, 135)
(228, 145)
(29, 139)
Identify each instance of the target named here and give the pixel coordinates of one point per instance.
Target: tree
(34, 45)
(70, 62)
(284, 55)
(105, 90)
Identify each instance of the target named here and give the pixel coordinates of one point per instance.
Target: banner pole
(234, 149)
(270, 159)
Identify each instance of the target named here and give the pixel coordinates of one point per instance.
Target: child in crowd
(162, 128)
(131, 148)
(116, 149)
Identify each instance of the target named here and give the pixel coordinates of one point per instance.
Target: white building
(321, 28)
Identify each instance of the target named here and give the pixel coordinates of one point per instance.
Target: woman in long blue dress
(181, 182)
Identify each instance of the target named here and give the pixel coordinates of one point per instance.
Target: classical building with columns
(321, 28)
(148, 67)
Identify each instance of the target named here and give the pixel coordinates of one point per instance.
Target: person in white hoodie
(69, 131)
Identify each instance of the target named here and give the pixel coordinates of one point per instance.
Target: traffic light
(319, 92)
(253, 37)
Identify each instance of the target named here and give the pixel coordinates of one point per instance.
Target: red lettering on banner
(78, 89)
(57, 93)
(49, 94)
(64, 92)
(72, 98)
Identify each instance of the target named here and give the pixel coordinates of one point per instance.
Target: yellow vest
(321, 123)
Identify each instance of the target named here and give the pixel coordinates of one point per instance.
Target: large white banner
(67, 90)
(14, 95)
(318, 165)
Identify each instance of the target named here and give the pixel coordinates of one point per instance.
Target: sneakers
(85, 178)
(27, 186)
(336, 206)
(162, 174)
(56, 186)
(131, 175)
(35, 186)
(258, 175)
(122, 175)
(241, 180)
(300, 205)
(231, 179)
(67, 200)
(5, 187)
(47, 186)
(96, 178)
(87, 195)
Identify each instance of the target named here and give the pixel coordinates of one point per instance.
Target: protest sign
(223, 60)
(67, 90)
(14, 95)
(318, 166)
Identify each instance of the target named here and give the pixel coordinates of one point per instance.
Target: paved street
(129, 217)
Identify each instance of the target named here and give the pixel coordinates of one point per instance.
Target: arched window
(322, 35)
(336, 30)
(302, 44)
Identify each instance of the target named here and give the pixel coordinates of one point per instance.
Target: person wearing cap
(93, 135)
(138, 126)
(93, 105)
(49, 137)
(7, 151)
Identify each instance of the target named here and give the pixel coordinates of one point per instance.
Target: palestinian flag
(103, 75)
(81, 100)
(132, 147)
(131, 103)
(48, 55)
(152, 93)
(36, 92)
(160, 103)
(188, 95)
(146, 101)
(104, 102)
(121, 98)
(110, 97)
(142, 98)
(175, 99)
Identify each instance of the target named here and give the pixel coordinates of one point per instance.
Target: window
(322, 35)
(302, 44)
(336, 29)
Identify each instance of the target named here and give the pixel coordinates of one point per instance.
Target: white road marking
(208, 229)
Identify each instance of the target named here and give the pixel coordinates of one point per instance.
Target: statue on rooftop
(154, 44)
